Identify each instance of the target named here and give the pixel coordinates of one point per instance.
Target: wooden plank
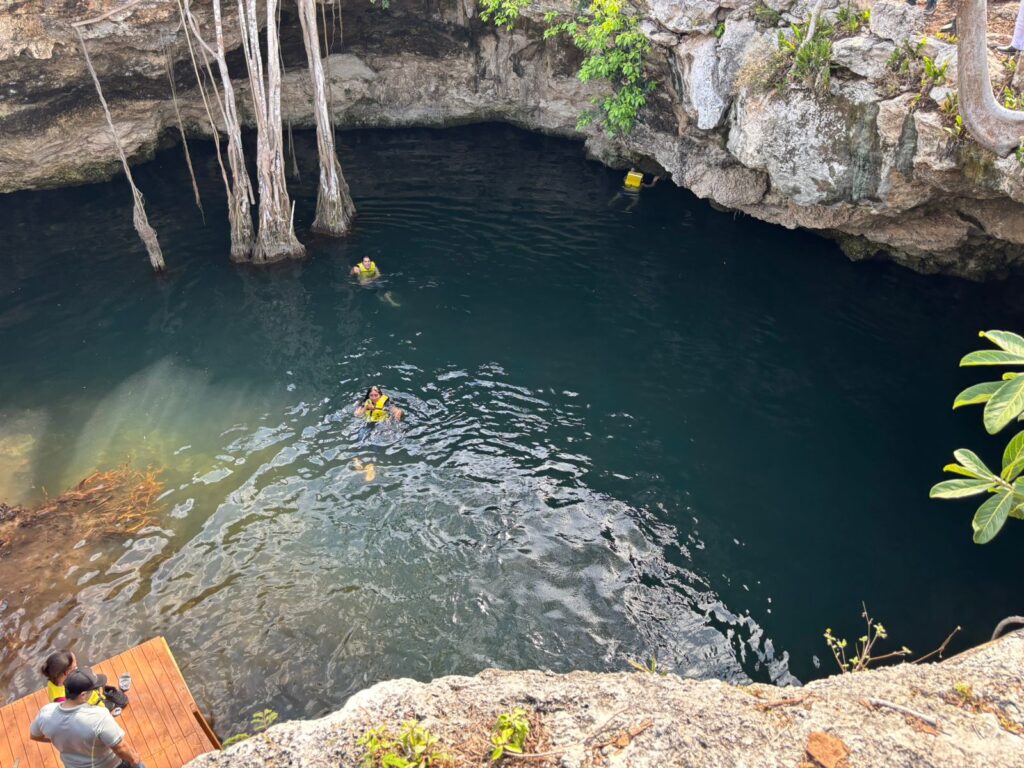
(142, 708)
(10, 747)
(159, 721)
(161, 713)
(177, 714)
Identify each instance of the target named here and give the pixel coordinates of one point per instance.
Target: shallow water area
(631, 429)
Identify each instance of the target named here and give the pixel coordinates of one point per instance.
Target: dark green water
(665, 430)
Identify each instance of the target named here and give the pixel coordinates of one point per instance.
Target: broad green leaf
(1005, 405)
(979, 393)
(956, 469)
(1014, 449)
(970, 461)
(991, 357)
(958, 489)
(991, 515)
(1018, 512)
(1011, 342)
(1012, 471)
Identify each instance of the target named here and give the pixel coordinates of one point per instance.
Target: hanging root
(181, 128)
(146, 232)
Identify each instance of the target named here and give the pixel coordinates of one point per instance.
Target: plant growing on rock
(502, 13)
(849, 20)
(511, 730)
(414, 747)
(765, 16)
(809, 48)
(865, 644)
(260, 722)
(616, 51)
(1004, 404)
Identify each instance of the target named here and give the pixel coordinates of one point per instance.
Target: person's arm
(397, 413)
(355, 270)
(36, 733)
(360, 410)
(127, 754)
(653, 182)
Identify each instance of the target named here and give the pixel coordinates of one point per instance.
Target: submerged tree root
(116, 501)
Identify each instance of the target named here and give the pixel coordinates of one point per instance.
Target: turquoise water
(660, 430)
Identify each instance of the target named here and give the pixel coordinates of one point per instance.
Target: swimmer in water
(632, 183)
(366, 270)
(376, 408)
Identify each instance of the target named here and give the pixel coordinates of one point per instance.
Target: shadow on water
(665, 430)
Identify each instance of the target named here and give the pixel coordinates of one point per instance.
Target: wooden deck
(162, 721)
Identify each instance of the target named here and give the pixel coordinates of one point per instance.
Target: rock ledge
(971, 710)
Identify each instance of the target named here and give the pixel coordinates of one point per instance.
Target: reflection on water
(668, 431)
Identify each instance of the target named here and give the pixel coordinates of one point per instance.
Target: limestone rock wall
(964, 712)
(869, 163)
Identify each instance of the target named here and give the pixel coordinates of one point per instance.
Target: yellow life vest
(633, 180)
(56, 693)
(374, 412)
(368, 273)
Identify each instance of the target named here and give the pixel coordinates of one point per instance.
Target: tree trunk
(334, 207)
(276, 236)
(992, 125)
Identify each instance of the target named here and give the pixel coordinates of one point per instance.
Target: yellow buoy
(633, 180)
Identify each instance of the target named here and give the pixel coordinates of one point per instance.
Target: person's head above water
(58, 666)
(367, 261)
(373, 394)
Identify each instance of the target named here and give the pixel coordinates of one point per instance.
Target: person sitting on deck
(366, 269)
(85, 735)
(375, 407)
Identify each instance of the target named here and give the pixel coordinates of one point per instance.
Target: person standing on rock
(1017, 43)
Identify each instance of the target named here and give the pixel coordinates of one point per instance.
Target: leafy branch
(1004, 404)
(615, 51)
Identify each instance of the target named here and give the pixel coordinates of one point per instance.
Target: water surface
(662, 429)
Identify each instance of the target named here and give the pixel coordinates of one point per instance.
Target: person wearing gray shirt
(85, 734)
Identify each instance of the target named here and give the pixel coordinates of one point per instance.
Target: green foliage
(864, 646)
(906, 57)
(259, 722)
(1012, 99)
(952, 122)
(765, 16)
(414, 747)
(932, 74)
(503, 13)
(849, 20)
(720, 29)
(615, 51)
(1003, 402)
(385, 4)
(650, 666)
(810, 59)
(511, 730)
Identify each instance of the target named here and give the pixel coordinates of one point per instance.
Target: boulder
(686, 15)
(897, 21)
(864, 55)
(697, 64)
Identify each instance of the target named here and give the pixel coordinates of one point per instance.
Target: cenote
(631, 431)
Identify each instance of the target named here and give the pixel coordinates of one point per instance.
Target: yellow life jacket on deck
(365, 273)
(56, 693)
(374, 412)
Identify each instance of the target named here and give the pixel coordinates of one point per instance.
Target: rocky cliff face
(967, 711)
(869, 162)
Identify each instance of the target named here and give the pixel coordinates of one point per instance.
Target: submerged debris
(115, 501)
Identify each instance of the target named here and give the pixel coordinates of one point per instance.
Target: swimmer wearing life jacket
(376, 408)
(366, 270)
(56, 670)
(634, 180)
